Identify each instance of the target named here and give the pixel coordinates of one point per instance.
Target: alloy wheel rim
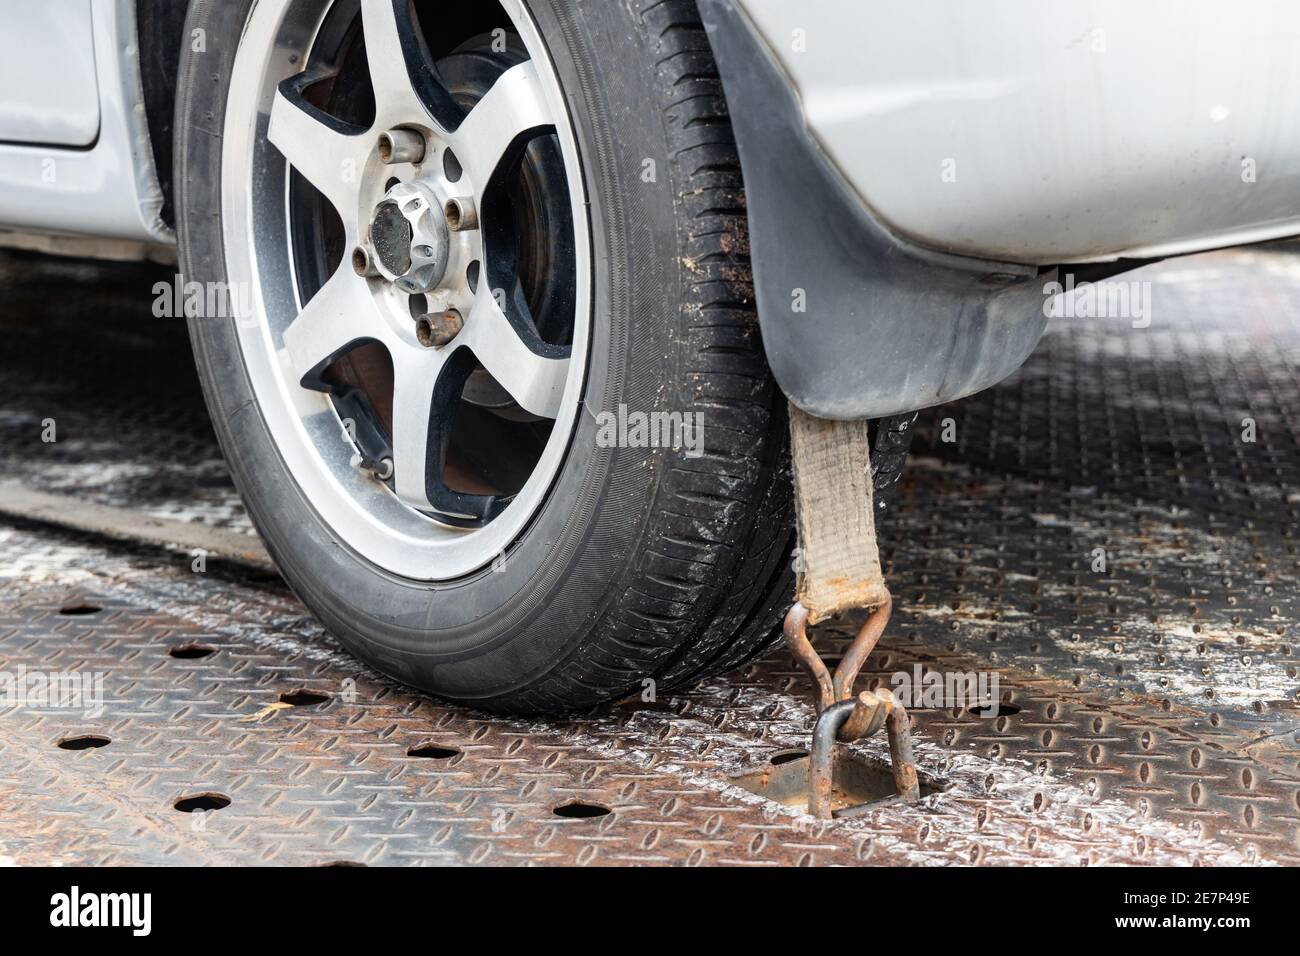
(417, 197)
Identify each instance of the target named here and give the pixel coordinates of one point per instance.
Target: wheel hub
(409, 235)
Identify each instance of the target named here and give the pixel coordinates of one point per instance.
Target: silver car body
(1006, 129)
(75, 156)
(1054, 131)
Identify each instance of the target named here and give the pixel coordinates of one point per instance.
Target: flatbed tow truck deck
(1099, 536)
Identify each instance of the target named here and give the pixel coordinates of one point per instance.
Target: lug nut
(401, 146)
(460, 214)
(437, 330)
(362, 263)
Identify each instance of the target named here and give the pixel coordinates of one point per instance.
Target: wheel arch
(160, 28)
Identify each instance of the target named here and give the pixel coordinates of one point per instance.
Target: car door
(47, 70)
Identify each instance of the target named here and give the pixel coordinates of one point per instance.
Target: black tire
(644, 564)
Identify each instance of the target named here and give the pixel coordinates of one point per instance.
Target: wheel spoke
(513, 107)
(414, 384)
(399, 73)
(533, 372)
(339, 316)
(426, 391)
(327, 152)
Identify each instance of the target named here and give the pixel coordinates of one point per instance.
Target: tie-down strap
(839, 561)
(839, 570)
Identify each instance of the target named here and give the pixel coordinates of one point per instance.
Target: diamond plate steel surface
(1098, 536)
(86, 350)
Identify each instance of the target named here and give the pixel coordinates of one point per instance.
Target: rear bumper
(856, 322)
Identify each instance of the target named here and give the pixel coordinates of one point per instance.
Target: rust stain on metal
(901, 761)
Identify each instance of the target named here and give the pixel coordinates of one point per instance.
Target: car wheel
(489, 379)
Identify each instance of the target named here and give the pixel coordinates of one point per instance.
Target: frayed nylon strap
(839, 560)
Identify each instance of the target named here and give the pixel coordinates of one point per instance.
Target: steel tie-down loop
(844, 718)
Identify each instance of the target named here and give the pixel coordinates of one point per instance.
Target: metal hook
(845, 718)
(830, 689)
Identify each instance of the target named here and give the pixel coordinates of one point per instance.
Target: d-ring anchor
(845, 718)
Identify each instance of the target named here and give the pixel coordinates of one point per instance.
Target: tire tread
(726, 514)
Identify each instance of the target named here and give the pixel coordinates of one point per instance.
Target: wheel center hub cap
(391, 235)
(409, 235)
